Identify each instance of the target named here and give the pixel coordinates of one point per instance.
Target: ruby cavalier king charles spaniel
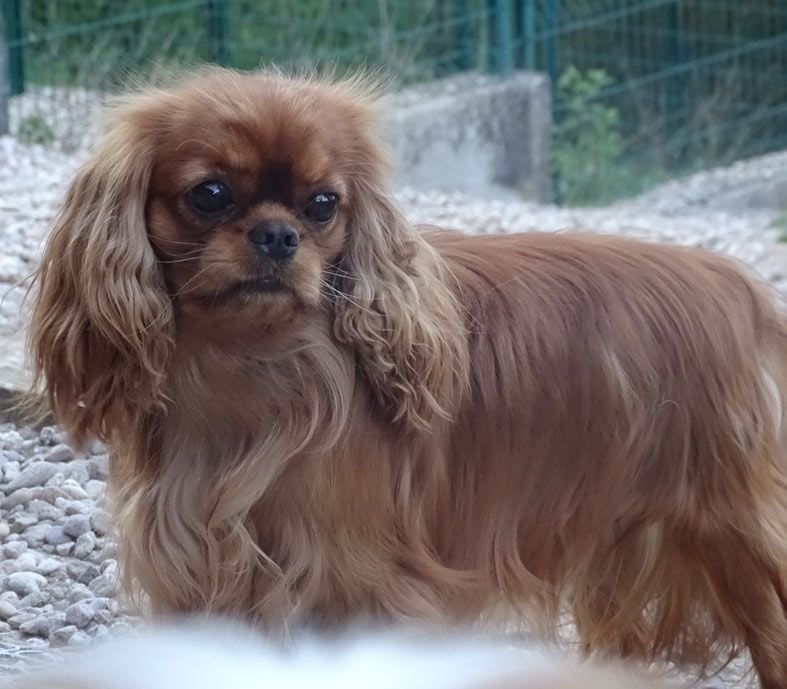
(319, 414)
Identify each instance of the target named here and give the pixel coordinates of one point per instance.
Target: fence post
(529, 33)
(4, 86)
(464, 36)
(217, 31)
(676, 86)
(12, 31)
(552, 21)
(503, 43)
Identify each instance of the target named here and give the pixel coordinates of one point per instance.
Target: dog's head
(235, 202)
(257, 184)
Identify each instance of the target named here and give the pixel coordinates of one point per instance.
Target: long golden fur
(413, 424)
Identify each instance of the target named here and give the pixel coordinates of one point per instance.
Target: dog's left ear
(399, 311)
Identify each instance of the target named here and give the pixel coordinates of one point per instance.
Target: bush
(781, 225)
(33, 129)
(587, 144)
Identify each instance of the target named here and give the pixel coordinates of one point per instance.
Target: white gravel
(58, 575)
(67, 115)
(57, 565)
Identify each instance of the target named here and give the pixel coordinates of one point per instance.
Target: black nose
(274, 239)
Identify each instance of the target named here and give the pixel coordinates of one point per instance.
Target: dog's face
(253, 187)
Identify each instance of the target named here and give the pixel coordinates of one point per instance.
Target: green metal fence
(690, 83)
(679, 84)
(96, 44)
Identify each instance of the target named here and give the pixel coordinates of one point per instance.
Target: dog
(320, 414)
(195, 656)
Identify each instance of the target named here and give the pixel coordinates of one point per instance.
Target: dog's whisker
(183, 291)
(186, 259)
(343, 295)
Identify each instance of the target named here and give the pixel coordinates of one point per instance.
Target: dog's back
(626, 408)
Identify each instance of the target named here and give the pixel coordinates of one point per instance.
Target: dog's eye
(321, 207)
(210, 197)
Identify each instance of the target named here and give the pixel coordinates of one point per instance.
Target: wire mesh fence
(64, 55)
(643, 89)
(664, 86)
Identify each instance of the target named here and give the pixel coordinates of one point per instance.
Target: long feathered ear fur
(399, 310)
(100, 333)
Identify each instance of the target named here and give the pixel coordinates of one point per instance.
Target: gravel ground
(58, 575)
(57, 567)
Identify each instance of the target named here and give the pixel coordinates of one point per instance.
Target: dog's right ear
(101, 329)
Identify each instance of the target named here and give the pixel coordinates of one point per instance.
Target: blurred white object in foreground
(220, 657)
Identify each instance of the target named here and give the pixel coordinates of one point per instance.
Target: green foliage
(781, 225)
(97, 44)
(33, 129)
(588, 150)
(587, 145)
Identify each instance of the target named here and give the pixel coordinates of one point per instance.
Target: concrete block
(472, 133)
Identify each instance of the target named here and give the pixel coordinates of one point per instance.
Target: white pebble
(7, 609)
(76, 507)
(44, 510)
(57, 535)
(103, 604)
(95, 489)
(80, 614)
(74, 490)
(25, 582)
(47, 435)
(35, 535)
(79, 639)
(44, 625)
(49, 566)
(77, 525)
(11, 441)
(10, 456)
(79, 470)
(85, 545)
(50, 494)
(21, 618)
(101, 522)
(14, 549)
(81, 571)
(64, 549)
(62, 636)
(21, 521)
(26, 562)
(98, 468)
(37, 599)
(36, 474)
(59, 453)
(79, 592)
(104, 586)
(10, 471)
(57, 479)
(110, 567)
